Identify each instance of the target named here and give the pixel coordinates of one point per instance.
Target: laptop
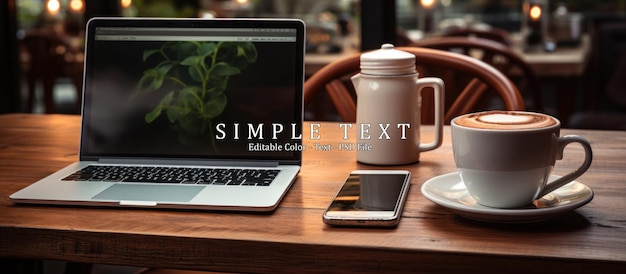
(185, 113)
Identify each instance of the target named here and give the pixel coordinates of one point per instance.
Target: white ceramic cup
(505, 161)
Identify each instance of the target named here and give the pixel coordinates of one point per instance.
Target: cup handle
(562, 143)
(438, 85)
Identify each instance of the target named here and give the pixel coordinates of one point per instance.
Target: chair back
(474, 77)
(498, 55)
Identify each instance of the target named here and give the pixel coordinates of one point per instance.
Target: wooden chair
(48, 56)
(494, 34)
(467, 80)
(498, 55)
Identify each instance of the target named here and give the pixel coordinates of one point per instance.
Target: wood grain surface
(294, 238)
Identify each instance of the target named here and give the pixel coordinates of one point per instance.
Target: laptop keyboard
(175, 175)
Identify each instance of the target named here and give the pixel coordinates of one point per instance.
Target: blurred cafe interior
(576, 49)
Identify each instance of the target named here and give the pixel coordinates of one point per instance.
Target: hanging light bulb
(76, 5)
(427, 3)
(535, 13)
(126, 3)
(53, 7)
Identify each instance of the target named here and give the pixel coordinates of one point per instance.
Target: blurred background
(42, 40)
(580, 60)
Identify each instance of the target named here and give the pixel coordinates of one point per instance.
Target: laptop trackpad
(152, 193)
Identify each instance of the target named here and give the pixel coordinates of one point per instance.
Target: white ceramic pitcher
(388, 108)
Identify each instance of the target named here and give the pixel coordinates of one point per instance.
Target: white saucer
(449, 191)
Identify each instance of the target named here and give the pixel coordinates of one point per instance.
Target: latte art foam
(506, 120)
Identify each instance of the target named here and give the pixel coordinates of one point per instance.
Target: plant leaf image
(194, 78)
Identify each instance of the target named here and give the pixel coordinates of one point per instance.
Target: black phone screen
(369, 192)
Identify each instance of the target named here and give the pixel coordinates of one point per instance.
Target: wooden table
(294, 238)
(565, 61)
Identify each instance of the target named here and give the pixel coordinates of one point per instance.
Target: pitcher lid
(387, 61)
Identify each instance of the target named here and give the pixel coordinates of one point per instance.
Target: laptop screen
(193, 88)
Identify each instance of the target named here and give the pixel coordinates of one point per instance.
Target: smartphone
(370, 198)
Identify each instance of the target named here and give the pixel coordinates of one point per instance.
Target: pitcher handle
(438, 85)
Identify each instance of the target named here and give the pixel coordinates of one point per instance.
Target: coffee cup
(505, 158)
